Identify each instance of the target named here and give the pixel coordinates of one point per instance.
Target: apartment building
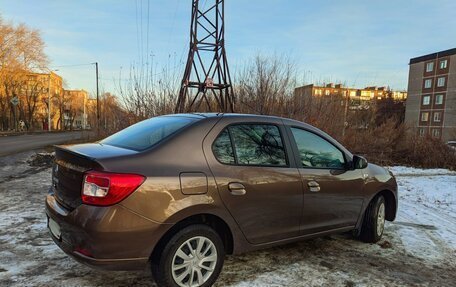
(40, 87)
(72, 103)
(431, 102)
(359, 98)
(75, 109)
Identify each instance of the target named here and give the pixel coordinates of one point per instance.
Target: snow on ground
(418, 249)
(411, 171)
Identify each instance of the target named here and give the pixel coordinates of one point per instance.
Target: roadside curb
(12, 134)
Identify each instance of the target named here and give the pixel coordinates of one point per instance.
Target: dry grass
(393, 144)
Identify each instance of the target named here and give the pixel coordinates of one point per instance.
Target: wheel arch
(211, 220)
(391, 203)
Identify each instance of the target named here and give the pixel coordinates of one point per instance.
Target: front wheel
(193, 257)
(374, 220)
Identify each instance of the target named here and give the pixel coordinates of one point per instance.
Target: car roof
(240, 116)
(232, 115)
(195, 115)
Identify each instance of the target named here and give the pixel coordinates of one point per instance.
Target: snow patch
(417, 249)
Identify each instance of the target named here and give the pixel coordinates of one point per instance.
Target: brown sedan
(179, 192)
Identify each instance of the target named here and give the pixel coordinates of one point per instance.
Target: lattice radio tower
(206, 85)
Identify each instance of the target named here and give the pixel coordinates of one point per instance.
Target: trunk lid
(71, 162)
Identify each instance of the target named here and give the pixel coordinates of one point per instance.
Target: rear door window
(223, 149)
(148, 133)
(254, 144)
(316, 152)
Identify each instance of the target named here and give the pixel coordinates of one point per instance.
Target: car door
(257, 179)
(332, 192)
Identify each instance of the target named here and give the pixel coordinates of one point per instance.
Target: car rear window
(148, 133)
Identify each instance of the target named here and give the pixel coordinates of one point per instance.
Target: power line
(141, 34)
(172, 25)
(71, 65)
(148, 20)
(137, 29)
(147, 45)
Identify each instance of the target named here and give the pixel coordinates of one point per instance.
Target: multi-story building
(40, 87)
(76, 109)
(431, 103)
(40, 97)
(357, 97)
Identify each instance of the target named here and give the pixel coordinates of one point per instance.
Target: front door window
(316, 152)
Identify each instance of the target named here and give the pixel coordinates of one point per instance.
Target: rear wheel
(193, 257)
(374, 220)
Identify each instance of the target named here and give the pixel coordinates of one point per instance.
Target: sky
(355, 42)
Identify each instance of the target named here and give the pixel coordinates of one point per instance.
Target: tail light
(104, 189)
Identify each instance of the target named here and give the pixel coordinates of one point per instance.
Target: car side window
(258, 144)
(316, 152)
(255, 144)
(222, 148)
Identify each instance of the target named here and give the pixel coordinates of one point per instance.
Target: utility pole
(98, 101)
(206, 71)
(84, 117)
(347, 94)
(49, 102)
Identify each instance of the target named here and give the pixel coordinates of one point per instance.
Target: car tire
(172, 269)
(374, 220)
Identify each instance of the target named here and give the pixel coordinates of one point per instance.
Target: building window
(425, 117)
(437, 117)
(428, 83)
(443, 64)
(438, 99)
(441, 82)
(421, 132)
(327, 92)
(436, 133)
(426, 100)
(318, 92)
(430, 67)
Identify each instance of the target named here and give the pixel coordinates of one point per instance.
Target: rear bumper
(109, 238)
(123, 264)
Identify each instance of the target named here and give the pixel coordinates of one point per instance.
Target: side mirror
(359, 162)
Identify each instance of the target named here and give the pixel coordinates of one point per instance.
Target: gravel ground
(419, 249)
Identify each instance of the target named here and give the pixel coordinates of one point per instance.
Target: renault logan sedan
(178, 192)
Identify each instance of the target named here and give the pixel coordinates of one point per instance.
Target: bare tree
(113, 115)
(265, 86)
(32, 92)
(144, 95)
(21, 52)
(73, 105)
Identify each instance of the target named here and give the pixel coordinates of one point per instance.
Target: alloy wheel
(381, 219)
(194, 262)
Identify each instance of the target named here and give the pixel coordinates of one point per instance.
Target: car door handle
(313, 186)
(237, 188)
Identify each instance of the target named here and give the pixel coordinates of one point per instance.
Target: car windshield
(148, 133)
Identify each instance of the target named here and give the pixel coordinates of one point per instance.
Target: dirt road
(14, 144)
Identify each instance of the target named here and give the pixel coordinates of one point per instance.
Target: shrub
(391, 144)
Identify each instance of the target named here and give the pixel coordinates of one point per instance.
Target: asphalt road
(15, 144)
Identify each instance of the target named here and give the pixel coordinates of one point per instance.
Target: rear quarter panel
(160, 197)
